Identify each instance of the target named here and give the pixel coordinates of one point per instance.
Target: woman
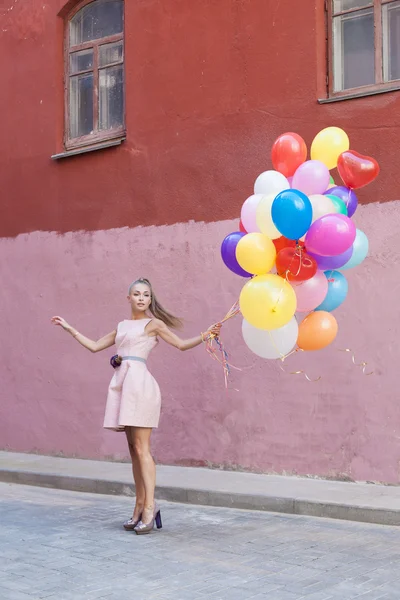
(134, 400)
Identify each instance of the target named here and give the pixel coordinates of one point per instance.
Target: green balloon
(339, 205)
(332, 180)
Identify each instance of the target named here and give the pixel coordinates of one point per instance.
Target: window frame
(99, 136)
(380, 85)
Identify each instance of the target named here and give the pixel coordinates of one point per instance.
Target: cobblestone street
(71, 546)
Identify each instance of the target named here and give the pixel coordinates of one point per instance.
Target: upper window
(364, 45)
(95, 73)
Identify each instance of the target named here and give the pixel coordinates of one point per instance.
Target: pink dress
(134, 398)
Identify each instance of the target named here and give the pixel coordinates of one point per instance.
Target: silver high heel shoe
(143, 528)
(131, 524)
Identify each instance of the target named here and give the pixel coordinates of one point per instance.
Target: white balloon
(248, 213)
(321, 206)
(271, 344)
(264, 217)
(271, 182)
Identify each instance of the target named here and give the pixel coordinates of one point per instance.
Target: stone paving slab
(370, 503)
(63, 545)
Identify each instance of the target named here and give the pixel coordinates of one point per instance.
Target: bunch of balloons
(295, 238)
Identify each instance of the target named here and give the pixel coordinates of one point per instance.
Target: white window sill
(86, 149)
(360, 94)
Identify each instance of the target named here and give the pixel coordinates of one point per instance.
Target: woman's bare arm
(92, 345)
(157, 327)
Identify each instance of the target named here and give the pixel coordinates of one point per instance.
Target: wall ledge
(86, 149)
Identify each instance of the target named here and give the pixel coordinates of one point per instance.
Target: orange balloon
(317, 331)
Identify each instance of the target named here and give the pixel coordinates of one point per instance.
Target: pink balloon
(248, 214)
(290, 180)
(330, 235)
(311, 293)
(312, 177)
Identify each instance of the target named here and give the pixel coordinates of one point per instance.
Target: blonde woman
(134, 399)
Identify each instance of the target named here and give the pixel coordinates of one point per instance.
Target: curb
(260, 502)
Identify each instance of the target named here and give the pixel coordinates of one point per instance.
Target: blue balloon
(337, 291)
(360, 251)
(292, 214)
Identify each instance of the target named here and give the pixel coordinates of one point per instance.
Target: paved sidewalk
(61, 545)
(294, 495)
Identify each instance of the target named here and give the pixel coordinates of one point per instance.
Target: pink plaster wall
(53, 391)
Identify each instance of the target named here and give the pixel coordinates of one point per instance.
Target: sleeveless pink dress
(134, 398)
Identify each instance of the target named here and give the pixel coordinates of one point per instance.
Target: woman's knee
(140, 448)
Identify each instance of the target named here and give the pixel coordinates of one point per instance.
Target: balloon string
(300, 373)
(283, 357)
(219, 353)
(303, 261)
(362, 365)
(280, 294)
(288, 271)
(300, 262)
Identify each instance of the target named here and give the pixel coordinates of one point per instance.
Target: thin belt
(137, 358)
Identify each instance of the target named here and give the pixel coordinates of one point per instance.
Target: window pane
(341, 5)
(81, 61)
(353, 46)
(81, 105)
(110, 53)
(391, 41)
(98, 19)
(111, 97)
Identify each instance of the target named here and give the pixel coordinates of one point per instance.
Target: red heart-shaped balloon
(295, 264)
(357, 170)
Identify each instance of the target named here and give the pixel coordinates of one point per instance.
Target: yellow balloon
(268, 302)
(256, 253)
(328, 145)
(264, 218)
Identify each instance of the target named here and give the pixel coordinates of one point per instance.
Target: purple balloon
(325, 263)
(330, 235)
(228, 253)
(348, 197)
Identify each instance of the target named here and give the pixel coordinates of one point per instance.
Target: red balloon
(241, 228)
(357, 170)
(283, 242)
(295, 264)
(288, 153)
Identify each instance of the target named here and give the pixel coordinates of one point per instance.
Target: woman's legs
(141, 445)
(137, 477)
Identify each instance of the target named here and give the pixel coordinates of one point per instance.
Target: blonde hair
(156, 309)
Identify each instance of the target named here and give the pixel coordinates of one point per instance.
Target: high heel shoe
(143, 528)
(131, 524)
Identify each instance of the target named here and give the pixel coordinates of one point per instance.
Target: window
(364, 41)
(94, 73)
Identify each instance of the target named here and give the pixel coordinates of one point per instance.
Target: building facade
(132, 132)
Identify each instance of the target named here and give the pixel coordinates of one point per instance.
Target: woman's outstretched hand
(94, 346)
(61, 322)
(215, 330)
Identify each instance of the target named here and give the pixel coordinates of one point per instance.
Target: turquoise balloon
(337, 291)
(339, 205)
(360, 251)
